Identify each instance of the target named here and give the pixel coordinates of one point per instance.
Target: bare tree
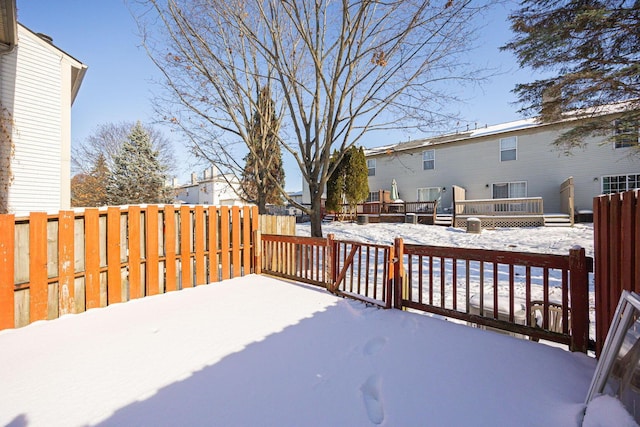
(337, 70)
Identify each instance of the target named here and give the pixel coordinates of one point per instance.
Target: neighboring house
(212, 188)
(38, 84)
(510, 160)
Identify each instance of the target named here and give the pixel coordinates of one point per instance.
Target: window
(374, 196)
(508, 148)
(626, 134)
(371, 165)
(509, 190)
(428, 194)
(619, 183)
(429, 159)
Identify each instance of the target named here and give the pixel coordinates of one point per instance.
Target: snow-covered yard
(259, 351)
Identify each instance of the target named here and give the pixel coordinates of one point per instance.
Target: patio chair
(555, 316)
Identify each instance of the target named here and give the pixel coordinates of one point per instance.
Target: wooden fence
(277, 224)
(616, 226)
(542, 296)
(69, 262)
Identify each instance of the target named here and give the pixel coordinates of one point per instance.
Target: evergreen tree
(350, 181)
(263, 175)
(91, 189)
(137, 175)
(335, 185)
(592, 49)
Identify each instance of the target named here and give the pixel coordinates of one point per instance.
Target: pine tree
(137, 176)
(263, 175)
(592, 49)
(350, 181)
(91, 189)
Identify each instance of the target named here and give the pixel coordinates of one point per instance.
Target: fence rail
(76, 260)
(616, 226)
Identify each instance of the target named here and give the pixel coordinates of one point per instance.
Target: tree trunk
(262, 204)
(316, 215)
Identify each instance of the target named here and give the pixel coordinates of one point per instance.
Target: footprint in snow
(374, 345)
(372, 401)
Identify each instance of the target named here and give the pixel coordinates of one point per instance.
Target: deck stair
(444, 219)
(557, 220)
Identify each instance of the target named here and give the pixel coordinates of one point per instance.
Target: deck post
(257, 252)
(398, 272)
(331, 262)
(579, 282)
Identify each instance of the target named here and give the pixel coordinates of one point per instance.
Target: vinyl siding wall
(41, 104)
(475, 165)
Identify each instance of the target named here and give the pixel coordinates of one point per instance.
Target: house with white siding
(38, 84)
(211, 188)
(510, 160)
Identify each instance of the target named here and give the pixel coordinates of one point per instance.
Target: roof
(499, 129)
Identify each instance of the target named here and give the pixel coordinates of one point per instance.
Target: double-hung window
(626, 134)
(429, 159)
(508, 148)
(371, 165)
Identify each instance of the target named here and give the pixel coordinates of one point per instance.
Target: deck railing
(523, 293)
(498, 289)
(500, 207)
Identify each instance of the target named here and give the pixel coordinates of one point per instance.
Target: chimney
(194, 178)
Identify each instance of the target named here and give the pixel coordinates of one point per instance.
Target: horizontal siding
(476, 165)
(38, 120)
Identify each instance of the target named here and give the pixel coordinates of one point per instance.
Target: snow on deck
(260, 351)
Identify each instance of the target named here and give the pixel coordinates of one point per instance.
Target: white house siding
(38, 121)
(474, 164)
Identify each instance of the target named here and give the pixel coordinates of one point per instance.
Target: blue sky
(120, 81)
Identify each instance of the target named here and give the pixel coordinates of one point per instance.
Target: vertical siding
(475, 165)
(38, 121)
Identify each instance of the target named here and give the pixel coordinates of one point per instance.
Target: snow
(260, 351)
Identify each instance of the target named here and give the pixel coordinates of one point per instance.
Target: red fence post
(579, 279)
(398, 273)
(7, 248)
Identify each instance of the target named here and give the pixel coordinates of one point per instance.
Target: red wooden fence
(51, 265)
(616, 226)
(499, 289)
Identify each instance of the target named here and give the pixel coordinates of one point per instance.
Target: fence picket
(66, 259)
(185, 247)
(199, 243)
(7, 253)
(213, 245)
(224, 243)
(170, 249)
(38, 284)
(151, 251)
(235, 241)
(134, 259)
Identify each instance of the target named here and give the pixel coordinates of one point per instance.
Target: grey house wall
(474, 164)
